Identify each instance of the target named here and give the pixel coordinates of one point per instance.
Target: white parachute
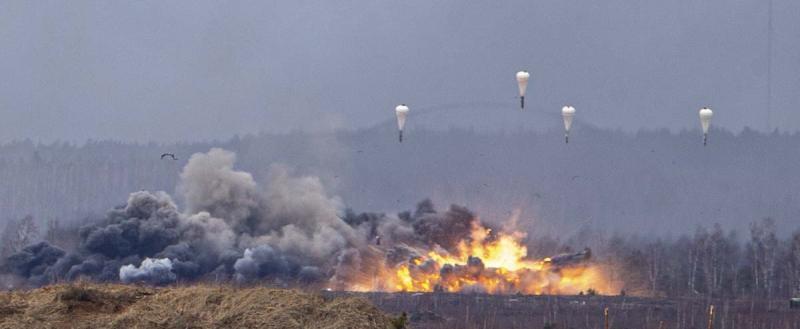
(705, 121)
(401, 111)
(568, 112)
(522, 81)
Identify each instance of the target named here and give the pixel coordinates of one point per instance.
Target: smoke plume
(287, 231)
(157, 271)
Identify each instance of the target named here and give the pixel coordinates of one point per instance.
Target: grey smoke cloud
(156, 271)
(209, 183)
(287, 230)
(260, 262)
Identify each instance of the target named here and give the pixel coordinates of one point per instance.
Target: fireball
(488, 262)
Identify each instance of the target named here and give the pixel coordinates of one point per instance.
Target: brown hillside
(122, 306)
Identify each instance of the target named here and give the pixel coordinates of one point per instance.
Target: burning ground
(290, 231)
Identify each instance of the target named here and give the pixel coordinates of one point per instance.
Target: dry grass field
(86, 305)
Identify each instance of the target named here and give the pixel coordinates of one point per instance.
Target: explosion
(289, 231)
(488, 262)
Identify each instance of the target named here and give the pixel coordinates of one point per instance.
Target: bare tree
(655, 252)
(794, 263)
(765, 252)
(712, 260)
(9, 235)
(696, 255)
(27, 233)
(53, 228)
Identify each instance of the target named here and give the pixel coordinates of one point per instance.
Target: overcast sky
(189, 70)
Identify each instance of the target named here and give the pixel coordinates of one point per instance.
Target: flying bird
(168, 155)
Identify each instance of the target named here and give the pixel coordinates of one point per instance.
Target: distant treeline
(709, 263)
(653, 182)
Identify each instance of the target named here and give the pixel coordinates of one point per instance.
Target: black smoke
(446, 229)
(35, 262)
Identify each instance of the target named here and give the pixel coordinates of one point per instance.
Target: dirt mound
(203, 306)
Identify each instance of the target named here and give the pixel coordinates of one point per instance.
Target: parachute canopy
(705, 118)
(522, 81)
(401, 111)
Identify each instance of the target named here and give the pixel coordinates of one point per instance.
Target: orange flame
(492, 263)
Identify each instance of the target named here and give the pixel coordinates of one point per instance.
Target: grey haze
(198, 70)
